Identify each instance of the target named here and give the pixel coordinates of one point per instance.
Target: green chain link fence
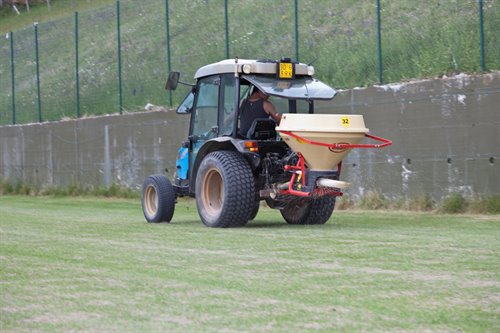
(85, 69)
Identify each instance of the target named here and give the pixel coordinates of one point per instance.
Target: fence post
(296, 30)
(120, 97)
(379, 44)
(77, 75)
(13, 80)
(226, 27)
(481, 35)
(38, 73)
(167, 27)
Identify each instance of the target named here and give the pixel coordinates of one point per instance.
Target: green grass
(93, 264)
(419, 40)
(40, 12)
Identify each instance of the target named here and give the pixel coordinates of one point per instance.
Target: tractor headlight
(310, 70)
(247, 68)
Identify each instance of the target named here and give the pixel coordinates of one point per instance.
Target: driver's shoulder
(268, 106)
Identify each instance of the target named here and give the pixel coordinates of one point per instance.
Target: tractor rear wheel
(225, 190)
(309, 211)
(255, 210)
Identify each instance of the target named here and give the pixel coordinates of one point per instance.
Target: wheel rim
(213, 192)
(151, 201)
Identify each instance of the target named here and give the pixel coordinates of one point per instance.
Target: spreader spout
(330, 183)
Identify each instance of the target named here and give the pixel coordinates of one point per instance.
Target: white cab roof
(251, 66)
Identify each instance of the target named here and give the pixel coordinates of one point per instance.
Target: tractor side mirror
(173, 80)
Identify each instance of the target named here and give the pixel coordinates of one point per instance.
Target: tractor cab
(215, 102)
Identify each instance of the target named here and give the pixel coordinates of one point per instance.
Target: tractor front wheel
(158, 199)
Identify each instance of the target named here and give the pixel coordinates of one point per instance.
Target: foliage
(39, 12)
(419, 39)
(455, 203)
(373, 200)
(343, 203)
(485, 205)
(421, 203)
(74, 190)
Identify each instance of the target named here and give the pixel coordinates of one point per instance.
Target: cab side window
(226, 115)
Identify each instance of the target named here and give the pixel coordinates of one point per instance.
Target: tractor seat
(262, 129)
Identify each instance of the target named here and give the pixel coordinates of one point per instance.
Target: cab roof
(248, 66)
(262, 74)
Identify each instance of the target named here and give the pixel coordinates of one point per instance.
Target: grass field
(94, 264)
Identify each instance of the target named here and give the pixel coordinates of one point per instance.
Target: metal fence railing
(116, 58)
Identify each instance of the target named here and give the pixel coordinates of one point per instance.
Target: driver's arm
(271, 110)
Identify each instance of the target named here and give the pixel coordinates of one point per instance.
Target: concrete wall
(120, 149)
(446, 135)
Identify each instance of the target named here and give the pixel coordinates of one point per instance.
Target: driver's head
(262, 94)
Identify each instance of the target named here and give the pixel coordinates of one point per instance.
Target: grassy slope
(420, 39)
(9, 21)
(83, 264)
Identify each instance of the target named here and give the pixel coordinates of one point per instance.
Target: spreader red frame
(300, 167)
(341, 146)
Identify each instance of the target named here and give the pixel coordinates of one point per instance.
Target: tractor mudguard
(217, 144)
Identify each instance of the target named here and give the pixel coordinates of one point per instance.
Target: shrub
(488, 205)
(373, 200)
(422, 203)
(73, 190)
(343, 203)
(454, 204)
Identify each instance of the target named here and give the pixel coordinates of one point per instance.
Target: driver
(254, 107)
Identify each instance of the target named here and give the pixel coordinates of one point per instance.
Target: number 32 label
(345, 121)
